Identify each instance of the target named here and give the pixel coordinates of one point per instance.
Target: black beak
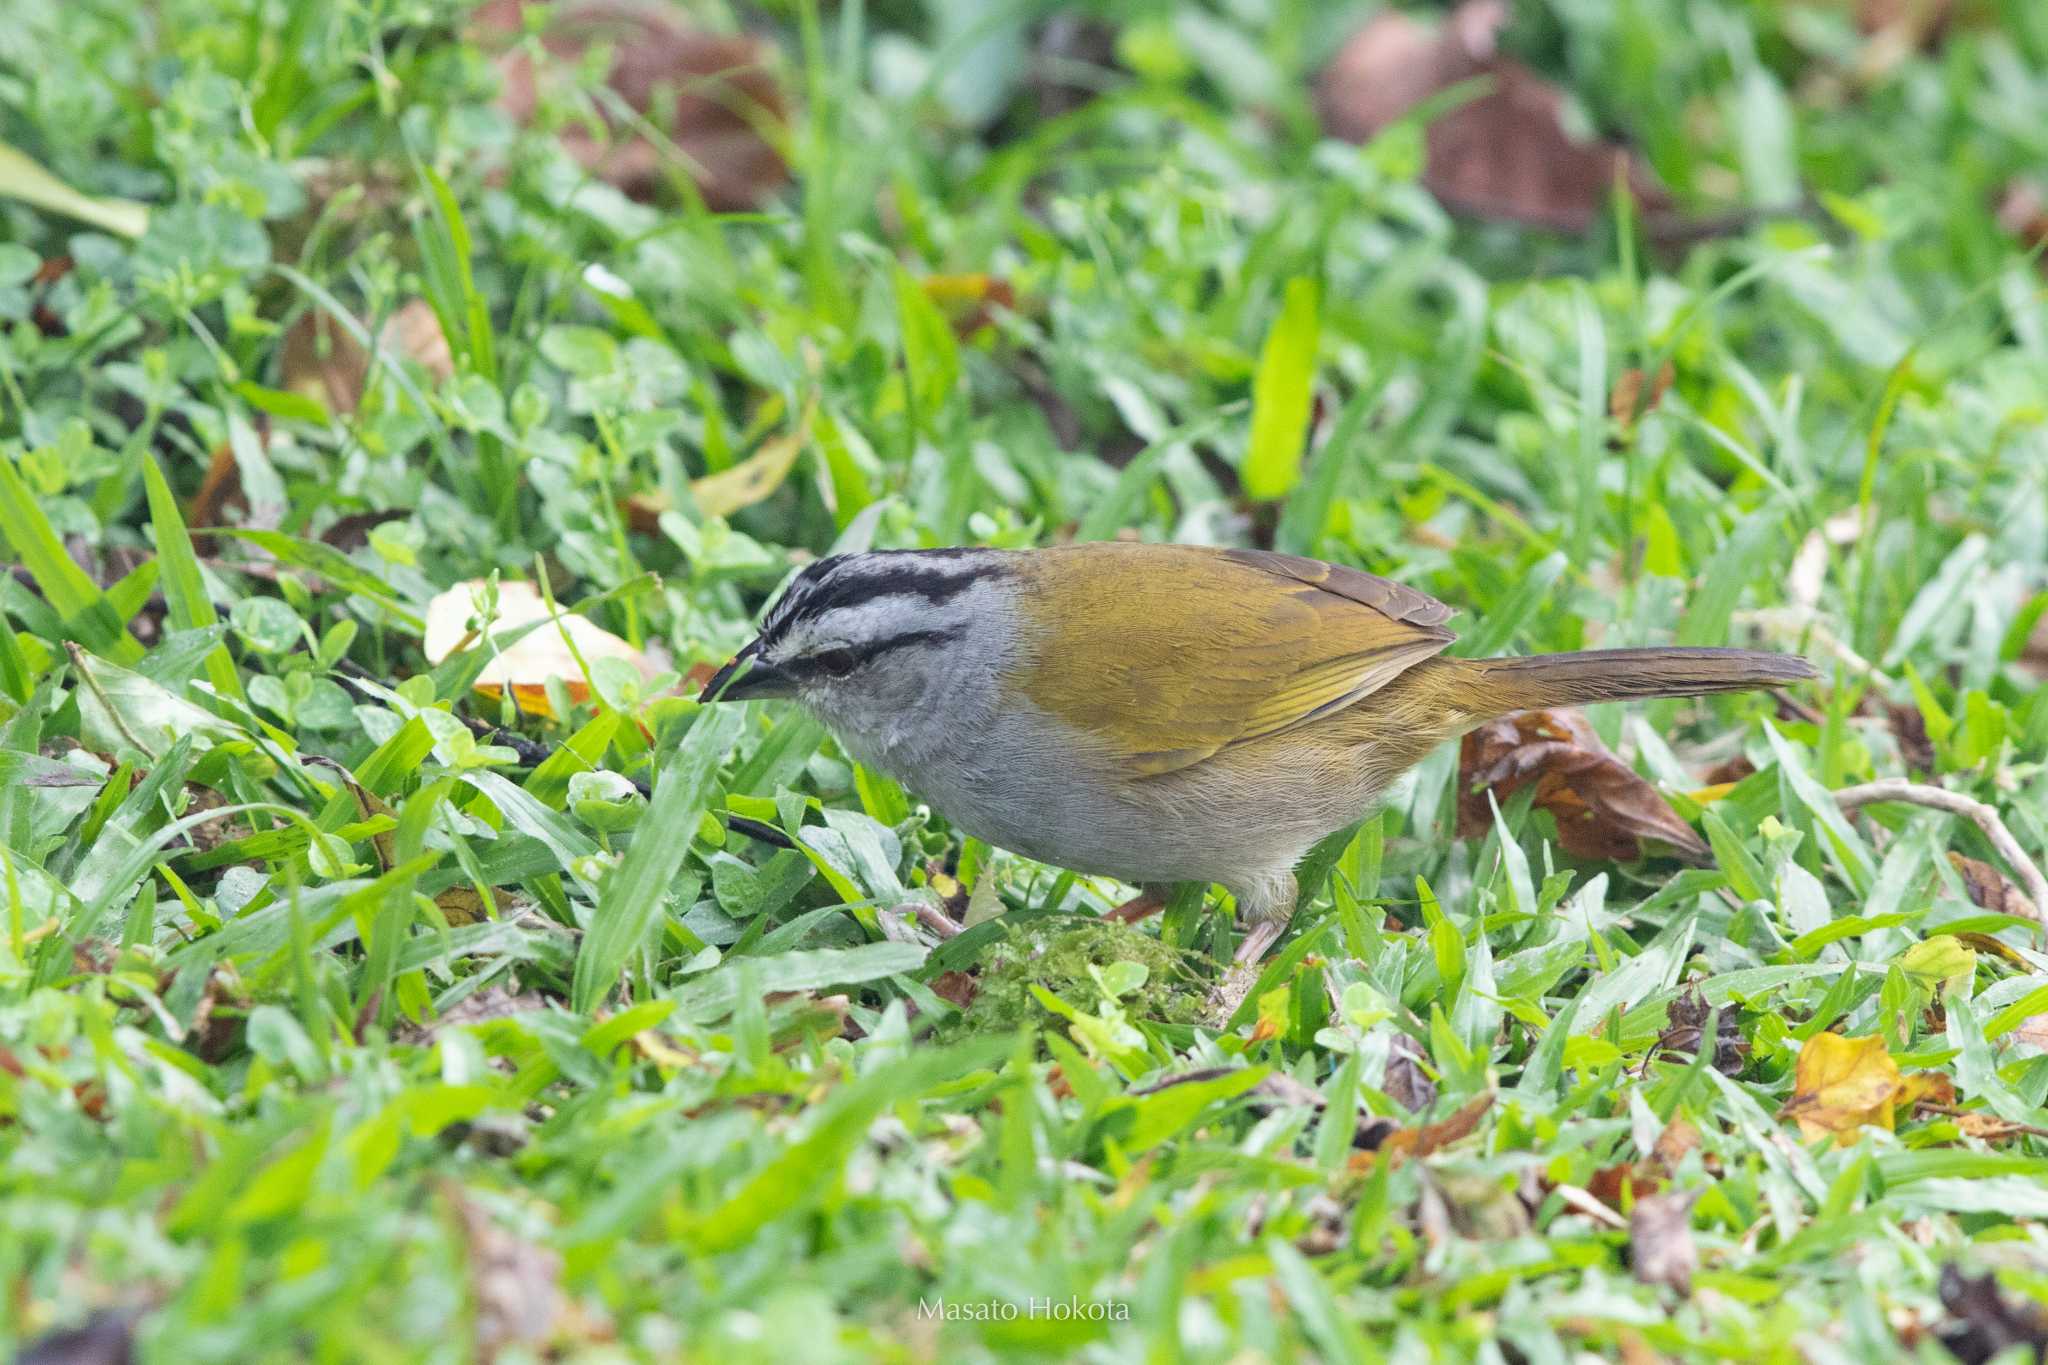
(747, 678)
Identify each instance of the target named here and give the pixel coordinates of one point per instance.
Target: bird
(1157, 713)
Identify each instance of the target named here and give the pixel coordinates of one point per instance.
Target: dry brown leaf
(323, 360)
(1641, 1178)
(107, 1337)
(1603, 809)
(1685, 1024)
(1909, 732)
(528, 662)
(956, 988)
(221, 490)
(1427, 1138)
(712, 96)
(1843, 1084)
(2033, 1031)
(1730, 771)
(516, 1283)
(1660, 1245)
(1677, 1140)
(1984, 1323)
(1926, 18)
(1990, 888)
(1988, 1127)
(1406, 1083)
(1505, 154)
(462, 905)
(1628, 403)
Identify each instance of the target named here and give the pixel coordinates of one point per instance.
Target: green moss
(1055, 953)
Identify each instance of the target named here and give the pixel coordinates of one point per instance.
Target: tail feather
(1595, 675)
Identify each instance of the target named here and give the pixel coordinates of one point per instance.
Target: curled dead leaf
(1603, 809)
(1505, 154)
(1909, 731)
(713, 98)
(1685, 1027)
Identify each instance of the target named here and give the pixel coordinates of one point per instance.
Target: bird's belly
(1240, 815)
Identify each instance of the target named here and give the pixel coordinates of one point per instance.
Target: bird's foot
(1237, 983)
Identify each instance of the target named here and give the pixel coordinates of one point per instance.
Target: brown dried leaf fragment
(1990, 888)
(1660, 1245)
(1603, 809)
(1426, 1138)
(324, 361)
(712, 97)
(1984, 1323)
(516, 1283)
(1505, 154)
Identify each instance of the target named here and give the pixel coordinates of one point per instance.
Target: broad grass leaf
(630, 907)
(716, 992)
(1283, 392)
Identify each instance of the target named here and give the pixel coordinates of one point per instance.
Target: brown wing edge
(1395, 601)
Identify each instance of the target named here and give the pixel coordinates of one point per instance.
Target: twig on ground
(1955, 803)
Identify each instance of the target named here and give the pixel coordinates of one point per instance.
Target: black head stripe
(846, 580)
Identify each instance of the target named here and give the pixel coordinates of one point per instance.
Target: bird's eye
(838, 662)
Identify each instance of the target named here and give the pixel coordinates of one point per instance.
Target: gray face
(882, 647)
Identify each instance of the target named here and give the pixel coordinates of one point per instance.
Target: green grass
(270, 1080)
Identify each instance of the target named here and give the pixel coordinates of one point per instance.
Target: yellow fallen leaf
(729, 490)
(1842, 1084)
(752, 479)
(527, 663)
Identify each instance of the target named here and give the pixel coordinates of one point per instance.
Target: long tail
(1493, 687)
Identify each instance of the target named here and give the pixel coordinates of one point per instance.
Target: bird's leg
(1149, 901)
(1266, 909)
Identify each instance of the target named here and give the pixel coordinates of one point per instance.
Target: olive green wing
(1168, 654)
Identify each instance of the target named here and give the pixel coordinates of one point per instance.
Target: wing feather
(1167, 654)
